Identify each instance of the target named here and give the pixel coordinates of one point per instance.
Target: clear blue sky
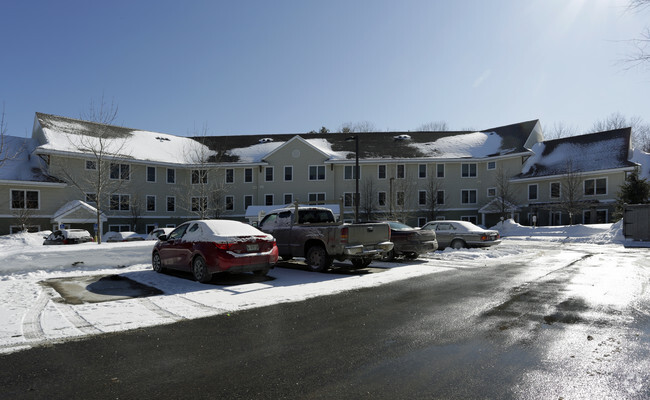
(244, 67)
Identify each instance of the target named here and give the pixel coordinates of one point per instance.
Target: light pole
(356, 176)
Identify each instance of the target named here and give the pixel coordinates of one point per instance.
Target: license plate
(252, 247)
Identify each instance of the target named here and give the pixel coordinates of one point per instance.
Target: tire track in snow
(158, 310)
(76, 319)
(32, 328)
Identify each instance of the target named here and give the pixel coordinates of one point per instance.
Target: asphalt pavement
(505, 331)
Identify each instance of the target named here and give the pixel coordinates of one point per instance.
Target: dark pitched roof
(584, 153)
(380, 144)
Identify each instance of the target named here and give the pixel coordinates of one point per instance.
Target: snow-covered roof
(74, 206)
(584, 153)
(508, 139)
(69, 135)
(19, 163)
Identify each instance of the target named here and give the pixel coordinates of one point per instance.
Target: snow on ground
(33, 313)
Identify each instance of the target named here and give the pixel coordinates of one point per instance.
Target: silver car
(460, 234)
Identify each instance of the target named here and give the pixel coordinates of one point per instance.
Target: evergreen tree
(635, 190)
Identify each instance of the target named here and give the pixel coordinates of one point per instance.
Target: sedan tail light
(223, 246)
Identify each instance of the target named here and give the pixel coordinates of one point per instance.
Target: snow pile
(477, 145)
(22, 239)
(595, 233)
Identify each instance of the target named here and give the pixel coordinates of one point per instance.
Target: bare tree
(368, 200)
(560, 130)
(571, 200)
(505, 193)
(640, 129)
(434, 126)
(205, 197)
(402, 199)
(433, 186)
(641, 53)
(102, 148)
(354, 127)
(7, 152)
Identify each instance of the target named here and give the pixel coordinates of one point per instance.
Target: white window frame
(202, 200)
(232, 176)
(379, 198)
(595, 180)
(246, 178)
(491, 165)
(229, 206)
(119, 202)
(266, 174)
(201, 174)
(317, 195)
(420, 193)
(399, 175)
(469, 196)
(167, 203)
(379, 171)
(284, 198)
(420, 171)
(173, 181)
(284, 175)
(443, 197)
(155, 174)
(269, 196)
(491, 191)
(93, 163)
(248, 198)
(24, 191)
(550, 190)
(155, 205)
(318, 169)
(469, 170)
(349, 176)
(119, 172)
(438, 170)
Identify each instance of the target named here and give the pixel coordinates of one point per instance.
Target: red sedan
(206, 247)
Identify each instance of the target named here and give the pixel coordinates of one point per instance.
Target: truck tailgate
(368, 234)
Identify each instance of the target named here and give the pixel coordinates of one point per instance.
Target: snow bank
(476, 145)
(595, 233)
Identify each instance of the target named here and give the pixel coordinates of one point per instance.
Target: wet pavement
(572, 323)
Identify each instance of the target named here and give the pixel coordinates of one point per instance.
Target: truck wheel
(317, 259)
(388, 256)
(361, 262)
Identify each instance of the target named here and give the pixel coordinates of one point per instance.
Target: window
(532, 192)
(317, 172)
(599, 215)
(151, 203)
(119, 228)
(268, 175)
(349, 172)
(381, 172)
(422, 221)
(288, 198)
(268, 199)
(401, 171)
(288, 173)
(469, 218)
(25, 200)
(317, 198)
(230, 203)
(171, 203)
(400, 198)
(492, 192)
(120, 171)
(381, 199)
(230, 175)
(199, 176)
(248, 201)
(468, 196)
(91, 198)
(422, 171)
(555, 190)
(348, 199)
(120, 202)
(422, 198)
(440, 170)
(440, 197)
(595, 186)
(151, 174)
(91, 165)
(171, 175)
(492, 165)
(468, 170)
(248, 175)
(199, 204)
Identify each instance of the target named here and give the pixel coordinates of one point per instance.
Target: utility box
(636, 222)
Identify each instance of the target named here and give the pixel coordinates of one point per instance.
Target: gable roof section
(382, 145)
(584, 153)
(68, 135)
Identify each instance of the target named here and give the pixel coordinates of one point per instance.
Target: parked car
(154, 234)
(68, 236)
(206, 247)
(121, 237)
(409, 242)
(460, 234)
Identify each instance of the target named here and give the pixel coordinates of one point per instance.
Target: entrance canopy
(78, 212)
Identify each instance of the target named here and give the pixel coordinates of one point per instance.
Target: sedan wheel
(156, 262)
(457, 244)
(200, 270)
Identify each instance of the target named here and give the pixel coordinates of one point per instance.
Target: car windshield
(398, 226)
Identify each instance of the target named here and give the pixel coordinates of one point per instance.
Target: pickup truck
(313, 233)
